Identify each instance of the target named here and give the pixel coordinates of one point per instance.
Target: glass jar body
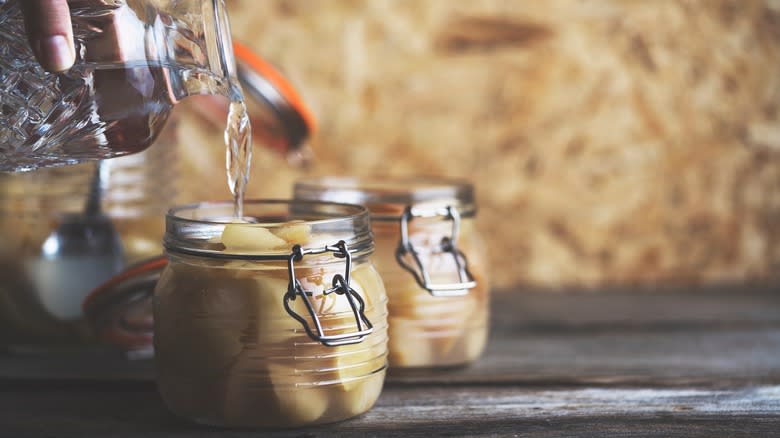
(426, 330)
(228, 353)
(428, 327)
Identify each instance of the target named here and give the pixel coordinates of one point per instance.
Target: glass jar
(431, 259)
(134, 61)
(276, 322)
(40, 298)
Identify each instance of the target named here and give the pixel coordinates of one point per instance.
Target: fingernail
(58, 55)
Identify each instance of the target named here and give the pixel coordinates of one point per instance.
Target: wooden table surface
(617, 363)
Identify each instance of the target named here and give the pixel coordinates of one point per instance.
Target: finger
(50, 33)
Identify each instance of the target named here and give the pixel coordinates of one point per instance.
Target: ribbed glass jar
(236, 344)
(435, 277)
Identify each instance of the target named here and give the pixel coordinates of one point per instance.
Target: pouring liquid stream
(238, 154)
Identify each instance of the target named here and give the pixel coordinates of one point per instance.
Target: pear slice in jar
(475, 342)
(207, 311)
(406, 349)
(360, 369)
(299, 401)
(350, 363)
(362, 360)
(244, 237)
(296, 232)
(354, 366)
(275, 327)
(269, 392)
(264, 385)
(438, 323)
(359, 398)
(453, 326)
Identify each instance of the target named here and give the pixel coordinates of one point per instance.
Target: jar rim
(174, 212)
(192, 228)
(387, 197)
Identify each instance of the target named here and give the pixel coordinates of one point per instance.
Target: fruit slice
(299, 404)
(274, 325)
(407, 346)
(294, 234)
(206, 312)
(250, 238)
(359, 398)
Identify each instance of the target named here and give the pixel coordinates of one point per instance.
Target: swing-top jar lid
(388, 197)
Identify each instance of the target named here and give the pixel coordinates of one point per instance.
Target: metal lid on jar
(388, 198)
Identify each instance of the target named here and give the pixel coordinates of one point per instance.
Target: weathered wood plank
(663, 338)
(713, 306)
(112, 410)
(627, 356)
(588, 365)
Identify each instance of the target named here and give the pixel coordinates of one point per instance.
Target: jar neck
(198, 230)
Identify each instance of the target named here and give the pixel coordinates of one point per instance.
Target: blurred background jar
(135, 192)
(280, 321)
(431, 258)
(40, 303)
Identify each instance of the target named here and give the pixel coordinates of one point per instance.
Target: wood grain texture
(113, 410)
(610, 141)
(617, 363)
(670, 337)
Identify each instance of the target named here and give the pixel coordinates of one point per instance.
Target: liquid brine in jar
(431, 259)
(276, 321)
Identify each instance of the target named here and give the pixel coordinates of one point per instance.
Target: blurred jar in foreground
(37, 310)
(136, 191)
(431, 259)
(280, 322)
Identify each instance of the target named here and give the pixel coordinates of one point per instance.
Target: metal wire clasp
(447, 245)
(340, 287)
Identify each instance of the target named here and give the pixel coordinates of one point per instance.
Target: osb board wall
(612, 142)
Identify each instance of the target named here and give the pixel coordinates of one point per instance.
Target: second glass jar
(432, 261)
(278, 322)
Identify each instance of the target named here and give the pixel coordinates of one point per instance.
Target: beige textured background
(612, 142)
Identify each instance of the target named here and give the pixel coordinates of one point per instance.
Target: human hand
(50, 33)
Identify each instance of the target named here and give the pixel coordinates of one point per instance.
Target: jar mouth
(198, 228)
(387, 197)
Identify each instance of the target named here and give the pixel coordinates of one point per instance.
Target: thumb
(50, 33)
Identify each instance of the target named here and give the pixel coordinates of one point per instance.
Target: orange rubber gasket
(265, 69)
(150, 265)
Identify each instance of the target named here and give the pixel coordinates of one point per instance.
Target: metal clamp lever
(340, 287)
(405, 248)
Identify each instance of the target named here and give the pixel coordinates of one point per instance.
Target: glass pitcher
(135, 59)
